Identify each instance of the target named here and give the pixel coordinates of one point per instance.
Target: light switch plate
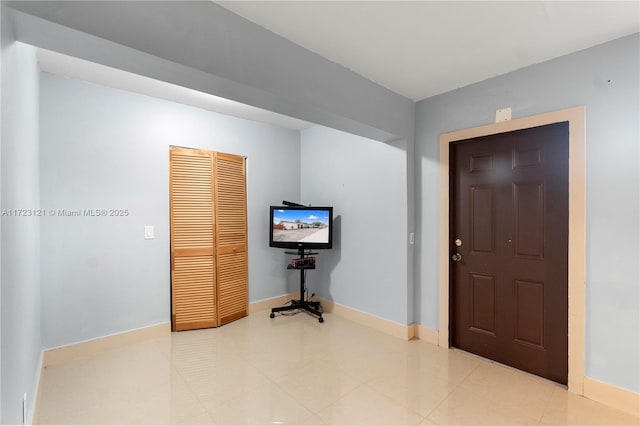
(148, 232)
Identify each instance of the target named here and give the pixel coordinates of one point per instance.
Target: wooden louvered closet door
(231, 237)
(197, 197)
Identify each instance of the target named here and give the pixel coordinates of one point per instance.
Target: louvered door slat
(231, 237)
(231, 202)
(232, 285)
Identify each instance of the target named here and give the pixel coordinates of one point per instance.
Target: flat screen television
(297, 227)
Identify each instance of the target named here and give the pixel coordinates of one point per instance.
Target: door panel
(483, 226)
(231, 237)
(194, 292)
(192, 240)
(528, 201)
(529, 305)
(483, 303)
(509, 207)
(232, 287)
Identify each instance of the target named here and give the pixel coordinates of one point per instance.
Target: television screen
(301, 227)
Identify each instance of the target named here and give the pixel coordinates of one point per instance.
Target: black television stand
(306, 305)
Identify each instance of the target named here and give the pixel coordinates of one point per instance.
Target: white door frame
(576, 268)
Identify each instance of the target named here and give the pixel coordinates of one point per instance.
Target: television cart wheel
(301, 304)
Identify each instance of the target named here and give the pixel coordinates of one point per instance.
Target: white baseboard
(75, 350)
(428, 334)
(405, 332)
(621, 399)
(413, 331)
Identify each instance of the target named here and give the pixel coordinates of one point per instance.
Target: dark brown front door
(509, 224)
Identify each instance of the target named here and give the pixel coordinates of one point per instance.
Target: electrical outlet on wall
(503, 114)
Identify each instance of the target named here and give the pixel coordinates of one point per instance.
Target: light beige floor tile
(279, 363)
(267, 404)
(368, 366)
(193, 349)
(190, 416)
(516, 389)
(427, 422)
(463, 407)
(365, 406)
(569, 409)
(275, 336)
(185, 407)
(220, 385)
(317, 384)
(105, 387)
(449, 364)
(312, 420)
(361, 367)
(417, 390)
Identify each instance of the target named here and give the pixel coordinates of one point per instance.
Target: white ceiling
(423, 48)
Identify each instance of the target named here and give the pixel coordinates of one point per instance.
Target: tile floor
(294, 370)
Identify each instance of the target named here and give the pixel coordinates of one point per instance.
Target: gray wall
(106, 148)
(605, 79)
(366, 183)
(20, 236)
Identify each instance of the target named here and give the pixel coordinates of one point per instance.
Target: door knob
(457, 257)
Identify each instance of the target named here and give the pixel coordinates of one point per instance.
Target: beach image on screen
(301, 226)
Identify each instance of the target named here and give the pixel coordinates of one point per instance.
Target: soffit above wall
(68, 66)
